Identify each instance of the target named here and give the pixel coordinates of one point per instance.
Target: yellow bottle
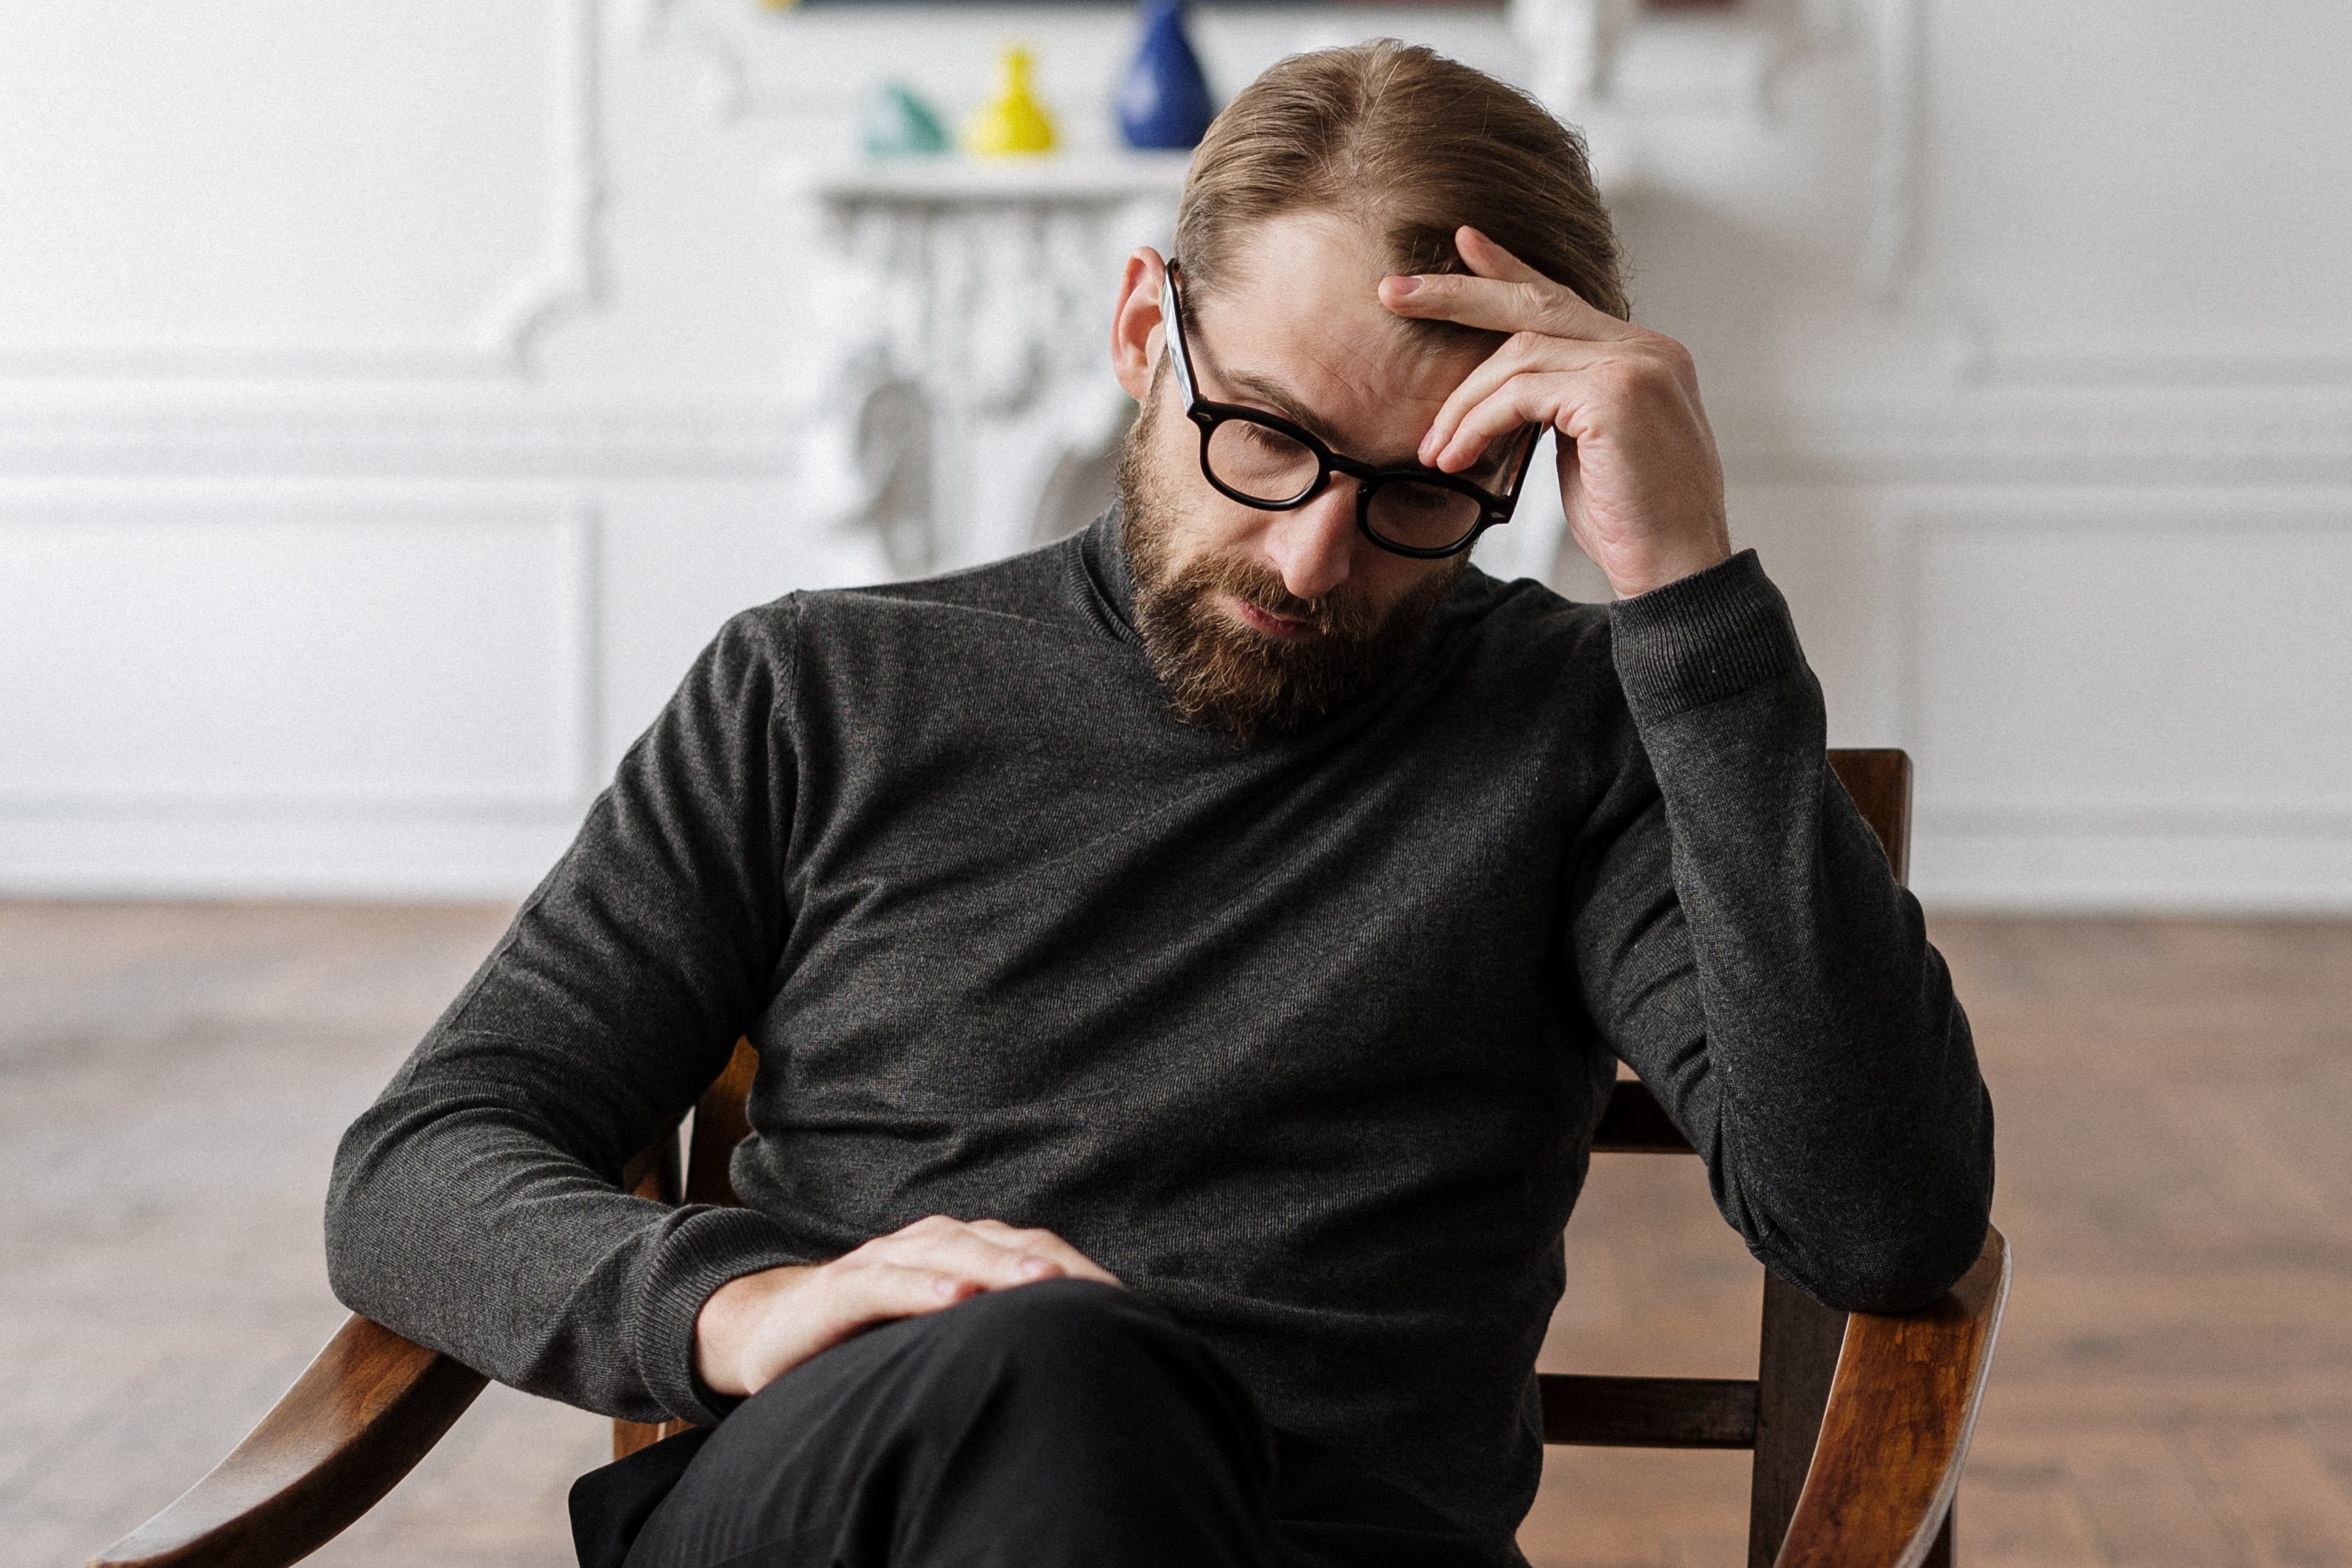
(1016, 123)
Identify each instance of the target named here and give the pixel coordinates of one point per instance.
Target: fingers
(1523, 401)
(1646, 382)
(1502, 294)
(952, 1247)
(1489, 259)
(1525, 353)
(876, 1291)
(1045, 1244)
(758, 1327)
(1554, 336)
(993, 1255)
(1495, 306)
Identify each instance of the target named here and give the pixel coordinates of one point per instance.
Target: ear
(1135, 330)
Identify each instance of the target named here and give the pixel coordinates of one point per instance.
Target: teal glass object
(1163, 103)
(899, 124)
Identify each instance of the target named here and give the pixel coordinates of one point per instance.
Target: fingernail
(1036, 1268)
(1404, 287)
(945, 1286)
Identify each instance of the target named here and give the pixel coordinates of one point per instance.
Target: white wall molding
(578, 575)
(440, 854)
(347, 431)
(2327, 367)
(2119, 815)
(568, 277)
(2126, 436)
(1892, 231)
(1977, 356)
(2084, 870)
(2136, 203)
(2102, 686)
(562, 278)
(516, 729)
(2129, 435)
(731, 89)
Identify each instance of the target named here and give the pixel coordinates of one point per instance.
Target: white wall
(393, 399)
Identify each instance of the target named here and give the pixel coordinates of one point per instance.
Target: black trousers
(1063, 1424)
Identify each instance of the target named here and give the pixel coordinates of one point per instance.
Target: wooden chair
(1859, 1424)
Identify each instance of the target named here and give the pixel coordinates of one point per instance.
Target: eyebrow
(1276, 396)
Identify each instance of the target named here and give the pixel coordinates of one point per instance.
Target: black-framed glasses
(1263, 460)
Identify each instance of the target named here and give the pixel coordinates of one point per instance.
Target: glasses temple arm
(1172, 322)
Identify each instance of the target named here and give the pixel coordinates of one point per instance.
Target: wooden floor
(2174, 1386)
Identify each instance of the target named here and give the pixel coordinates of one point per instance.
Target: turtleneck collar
(1103, 548)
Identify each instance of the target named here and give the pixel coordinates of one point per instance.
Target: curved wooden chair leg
(357, 1420)
(1901, 1410)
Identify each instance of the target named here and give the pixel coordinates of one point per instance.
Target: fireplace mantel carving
(979, 385)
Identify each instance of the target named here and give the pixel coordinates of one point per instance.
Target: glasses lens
(1421, 517)
(1260, 462)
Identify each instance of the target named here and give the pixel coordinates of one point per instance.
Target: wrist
(1702, 638)
(730, 1320)
(1656, 569)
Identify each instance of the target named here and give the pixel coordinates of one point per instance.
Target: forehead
(1299, 308)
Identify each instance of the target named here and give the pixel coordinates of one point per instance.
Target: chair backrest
(1777, 1414)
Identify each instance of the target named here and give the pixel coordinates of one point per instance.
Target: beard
(1221, 674)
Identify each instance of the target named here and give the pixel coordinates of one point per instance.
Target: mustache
(1339, 614)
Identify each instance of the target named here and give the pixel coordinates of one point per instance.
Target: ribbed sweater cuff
(705, 1248)
(1702, 638)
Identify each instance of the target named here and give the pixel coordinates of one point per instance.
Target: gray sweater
(1305, 1040)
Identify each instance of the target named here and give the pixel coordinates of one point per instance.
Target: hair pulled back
(1411, 145)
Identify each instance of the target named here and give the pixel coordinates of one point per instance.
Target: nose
(1314, 548)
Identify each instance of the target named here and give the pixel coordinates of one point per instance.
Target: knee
(1054, 1343)
(1067, 1342)
(1076, 1365)
(1052, 1320)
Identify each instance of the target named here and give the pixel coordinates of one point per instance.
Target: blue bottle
(1164, 102)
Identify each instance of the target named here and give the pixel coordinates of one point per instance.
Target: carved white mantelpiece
(976, 384)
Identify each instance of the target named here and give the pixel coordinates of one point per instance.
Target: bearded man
(1187, 962)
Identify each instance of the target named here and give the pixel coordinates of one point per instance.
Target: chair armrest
(357, 1420)
(1901, 1409)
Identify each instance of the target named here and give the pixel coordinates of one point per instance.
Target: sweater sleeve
(475, 1207)
(1741, 944)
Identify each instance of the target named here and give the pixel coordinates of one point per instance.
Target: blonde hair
(1411, 143)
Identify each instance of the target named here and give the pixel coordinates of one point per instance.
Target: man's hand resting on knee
(754, 1329)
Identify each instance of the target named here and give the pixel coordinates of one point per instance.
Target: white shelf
(956, 180)
(1068, 178)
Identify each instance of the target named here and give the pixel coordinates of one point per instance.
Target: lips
(1287, 628)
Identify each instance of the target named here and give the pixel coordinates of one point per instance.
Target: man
(1187, 962)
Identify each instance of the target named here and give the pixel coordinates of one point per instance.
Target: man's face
(1259, 621)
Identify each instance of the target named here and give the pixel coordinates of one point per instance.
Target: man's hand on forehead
(1639, 477)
